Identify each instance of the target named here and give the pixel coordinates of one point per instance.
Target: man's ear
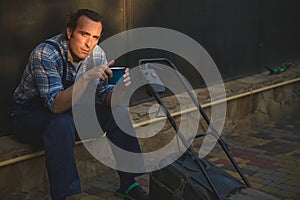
(69, 33)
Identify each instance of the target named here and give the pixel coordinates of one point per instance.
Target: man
(42, 111)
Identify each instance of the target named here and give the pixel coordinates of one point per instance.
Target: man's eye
(84, 34)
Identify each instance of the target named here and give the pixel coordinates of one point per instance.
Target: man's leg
(57, 133)
(120, 138)
(59, 139)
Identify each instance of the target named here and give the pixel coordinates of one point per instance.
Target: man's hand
(120, 89)
(63, 100)
(102, 72)
(126, 78)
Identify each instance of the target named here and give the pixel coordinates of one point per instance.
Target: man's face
(84, 38)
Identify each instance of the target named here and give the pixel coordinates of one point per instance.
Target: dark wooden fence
(242, 37)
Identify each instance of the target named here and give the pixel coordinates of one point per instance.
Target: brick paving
(269, 156)
(273, 163)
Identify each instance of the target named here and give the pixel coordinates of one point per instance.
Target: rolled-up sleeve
(103, 88)
(102, 91)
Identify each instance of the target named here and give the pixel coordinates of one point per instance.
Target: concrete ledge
(251, 101)
(22, 168)
(12, 148)
(235, 90)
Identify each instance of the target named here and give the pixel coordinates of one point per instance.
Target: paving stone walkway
(269, 156)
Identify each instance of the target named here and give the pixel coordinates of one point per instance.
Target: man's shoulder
(98, 49)
(99, 53)
(99, 56)
(48, 46)
(60, 38)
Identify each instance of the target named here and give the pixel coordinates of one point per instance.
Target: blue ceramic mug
(118, 72)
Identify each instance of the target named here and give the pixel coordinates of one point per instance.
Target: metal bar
(183, 140)
(201, 110)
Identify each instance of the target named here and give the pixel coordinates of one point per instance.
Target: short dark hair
(73, 17)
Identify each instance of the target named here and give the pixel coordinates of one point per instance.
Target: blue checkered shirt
(43, 74)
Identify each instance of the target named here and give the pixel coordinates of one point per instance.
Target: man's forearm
(64, 99)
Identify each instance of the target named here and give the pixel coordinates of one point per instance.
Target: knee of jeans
(121, 111)
(63, 127)
(122, 120)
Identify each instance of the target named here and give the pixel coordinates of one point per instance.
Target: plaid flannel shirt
(43, 73)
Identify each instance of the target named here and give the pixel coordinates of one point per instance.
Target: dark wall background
(242, 37)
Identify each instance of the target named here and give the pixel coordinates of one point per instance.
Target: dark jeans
(57, 134)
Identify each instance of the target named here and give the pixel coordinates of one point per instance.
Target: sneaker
(133, 192)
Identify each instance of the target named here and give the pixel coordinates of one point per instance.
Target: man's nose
(88, 41)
